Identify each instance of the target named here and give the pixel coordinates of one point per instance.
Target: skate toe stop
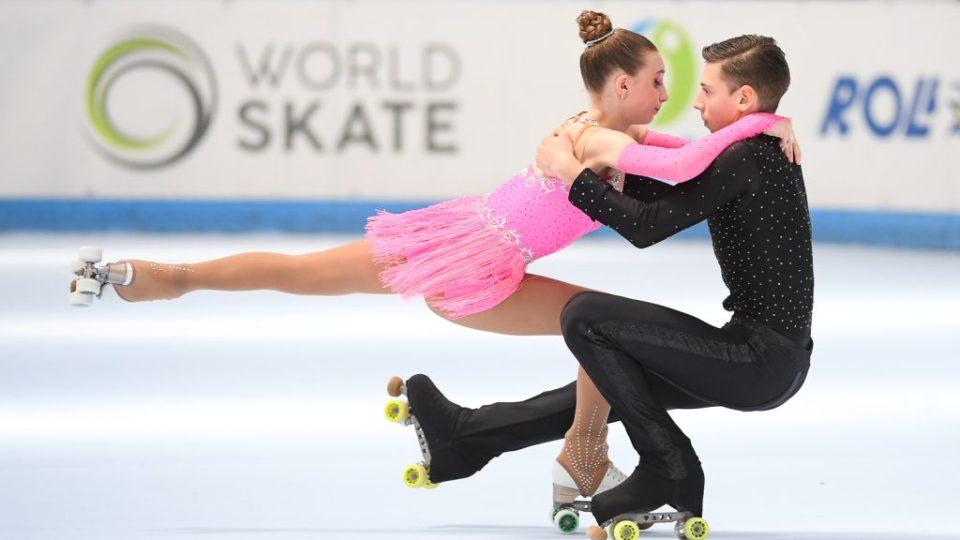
(394, 386)
(596, 533)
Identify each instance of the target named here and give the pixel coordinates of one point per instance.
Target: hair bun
(593, 25)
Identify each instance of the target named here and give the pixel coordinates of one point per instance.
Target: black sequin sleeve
(649, 211)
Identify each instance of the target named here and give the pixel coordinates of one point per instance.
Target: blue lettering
(844, 94)
(879, 84)
(924, 103)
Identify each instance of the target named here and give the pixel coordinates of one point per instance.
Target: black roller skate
(629, 507)
(435, 420)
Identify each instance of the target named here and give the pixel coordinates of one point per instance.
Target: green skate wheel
(415, 476)
(566, 520)
(695, 529)
(626, 530)
(396, 410)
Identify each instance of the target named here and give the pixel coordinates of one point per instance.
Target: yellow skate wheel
(415, 476)
(430, 485)
(626, 530)
(396, 410)
(696, 529)
(395, 386)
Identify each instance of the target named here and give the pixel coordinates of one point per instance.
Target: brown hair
(756, 61)
(621, 50)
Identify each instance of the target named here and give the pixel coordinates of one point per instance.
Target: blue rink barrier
(897, 229)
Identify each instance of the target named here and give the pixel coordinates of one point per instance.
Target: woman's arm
(609, 148)
(644, 135)
(664, 140)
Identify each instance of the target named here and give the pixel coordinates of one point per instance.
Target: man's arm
(646, 222)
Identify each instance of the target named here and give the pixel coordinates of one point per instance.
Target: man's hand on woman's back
(555, 157)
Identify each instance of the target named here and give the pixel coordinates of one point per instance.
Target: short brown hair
(756, 61)
(623, 49)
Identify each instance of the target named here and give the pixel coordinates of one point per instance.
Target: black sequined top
(755, 204)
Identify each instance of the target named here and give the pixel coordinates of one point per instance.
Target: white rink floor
(258, 416)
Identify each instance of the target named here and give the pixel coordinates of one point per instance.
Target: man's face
(718, 105)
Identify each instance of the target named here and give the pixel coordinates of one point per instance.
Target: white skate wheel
(567, 520)
(90, 254)
(78, 266)
(80, 299)
(88, 286)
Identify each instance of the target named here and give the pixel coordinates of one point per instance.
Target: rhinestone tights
(584, 452)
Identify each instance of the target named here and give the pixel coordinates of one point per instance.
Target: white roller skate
(567, 503)
(91, 278)
(398, 411)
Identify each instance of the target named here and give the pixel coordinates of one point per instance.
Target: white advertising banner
(425, 100)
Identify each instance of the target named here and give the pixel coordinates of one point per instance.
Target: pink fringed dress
(467, 255)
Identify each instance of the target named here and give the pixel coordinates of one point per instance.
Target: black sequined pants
(622, 344)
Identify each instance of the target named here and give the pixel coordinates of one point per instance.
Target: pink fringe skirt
(454, 253)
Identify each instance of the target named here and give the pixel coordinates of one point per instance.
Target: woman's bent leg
(584, 452)
(534, 309)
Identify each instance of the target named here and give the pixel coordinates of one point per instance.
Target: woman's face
(644, 92)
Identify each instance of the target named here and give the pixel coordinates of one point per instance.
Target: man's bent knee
(582, 313)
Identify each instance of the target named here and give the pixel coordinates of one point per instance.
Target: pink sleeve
(676, 165)
(664, 140)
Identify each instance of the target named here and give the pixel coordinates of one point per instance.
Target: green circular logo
(680, 56)
(174, 56)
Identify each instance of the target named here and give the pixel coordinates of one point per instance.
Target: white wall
(514, 75)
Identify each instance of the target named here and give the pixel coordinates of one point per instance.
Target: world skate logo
(150, 97)
(680, 56)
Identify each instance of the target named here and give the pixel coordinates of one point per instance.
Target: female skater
(468, 257)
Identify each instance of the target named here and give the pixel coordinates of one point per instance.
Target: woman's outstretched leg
(341, 270)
